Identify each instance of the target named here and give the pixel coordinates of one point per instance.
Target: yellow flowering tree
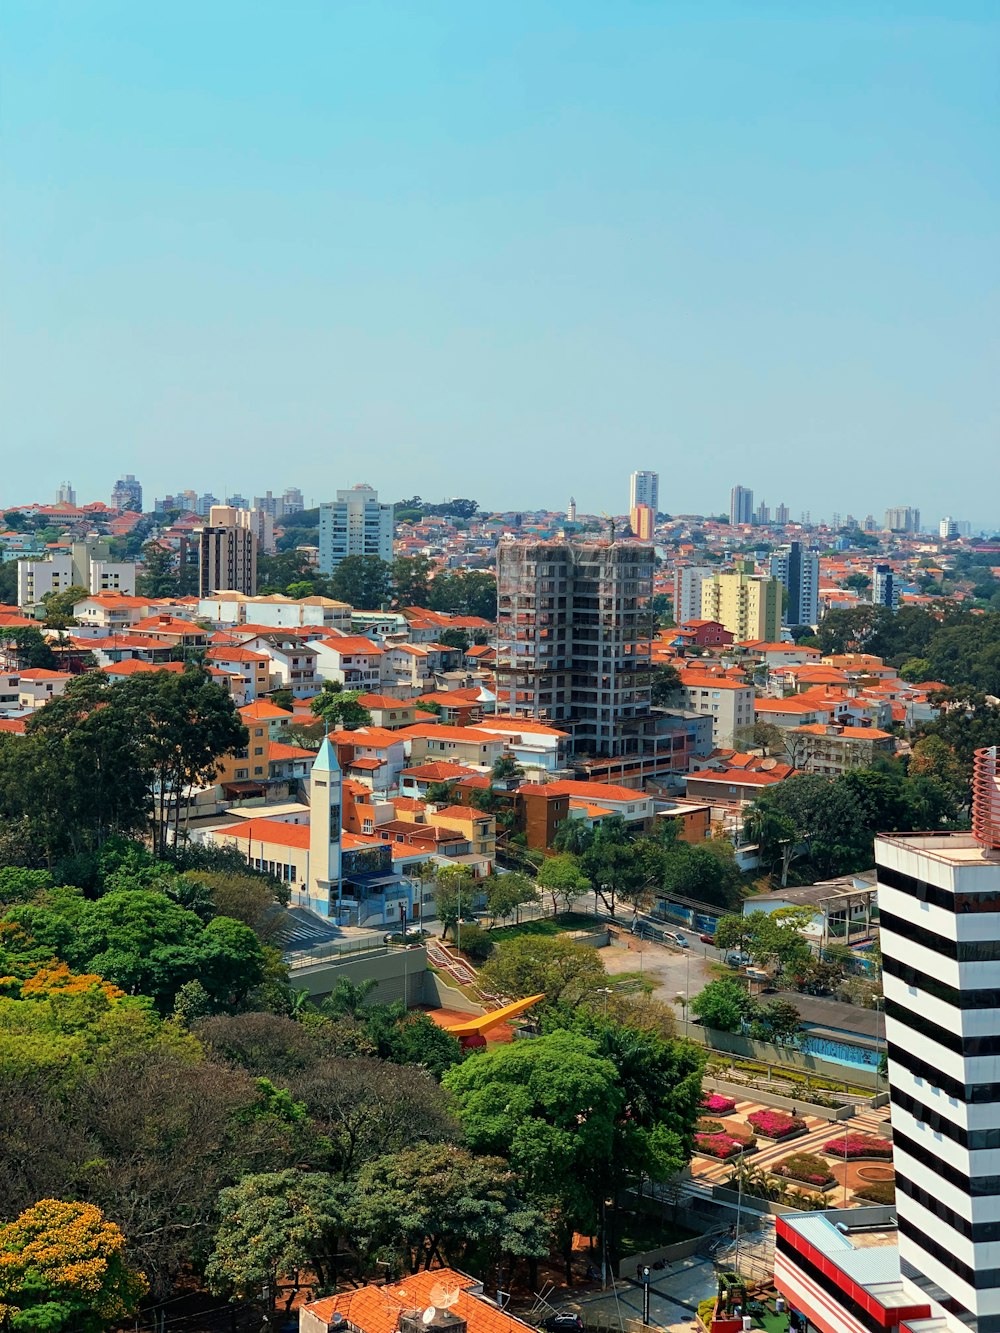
(62, 1266)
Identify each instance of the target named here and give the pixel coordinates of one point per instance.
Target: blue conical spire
(326, 760)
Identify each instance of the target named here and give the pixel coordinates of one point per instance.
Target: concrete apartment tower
(571, 641)
(745, 603)
(644, 489)
(939, 905)
(322, 891)
(740, 505)
(354, 524)
(798, 571)
(227, 553)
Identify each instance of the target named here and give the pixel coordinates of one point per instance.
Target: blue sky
(507, 250)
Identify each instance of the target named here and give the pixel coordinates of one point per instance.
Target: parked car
(706, 938)
(738, 959)
(682, 940)
(416, 936)
(563, 1322)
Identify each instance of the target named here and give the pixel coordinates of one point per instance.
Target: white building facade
(939, 905)
(354, 524)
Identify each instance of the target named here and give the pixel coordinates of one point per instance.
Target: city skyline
(479, 244)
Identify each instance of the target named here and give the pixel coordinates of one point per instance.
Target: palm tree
(507, 767)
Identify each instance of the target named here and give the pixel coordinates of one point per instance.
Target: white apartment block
(644, 489)
(939, 906)
(729, 704)
(276, 611)
(687, 591)
(354, 524)
(57, 573)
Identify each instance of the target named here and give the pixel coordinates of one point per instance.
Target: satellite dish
(442, 1297)
(337, 1319)
(767, 764)
(428, 1314)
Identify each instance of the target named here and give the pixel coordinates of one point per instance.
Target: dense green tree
(59, 606)
(550, 1107)
(455, 638)
(411, 579)
(410, 1037)
(666, 683)
(362, 581)
(554, 966)
(724, 1004)
(506, 893)
(159, 576)
(563, 879)
(339, 708)
(444, 1204)
(273, 1226)
(465, 593)
(8, 583)
(29, 647)
(454, 889)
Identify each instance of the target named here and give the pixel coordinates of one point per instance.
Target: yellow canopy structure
(484, 1022)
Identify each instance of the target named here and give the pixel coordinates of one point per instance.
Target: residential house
(729, 703)
(351, 661)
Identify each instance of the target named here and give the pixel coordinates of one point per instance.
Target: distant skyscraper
(354, 524)
(204, 503)
(292, 502)
(948, 529)
(902, 518)
(885, 587)
(740, 505)
(571, 511)
(66, 495)
(644, 489)
(237, 502)
(781, 515)
(127, 494)
(763, 515)
(798, 570)
(227, 553)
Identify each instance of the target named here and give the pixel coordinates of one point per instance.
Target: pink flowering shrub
(774, 1124)
(722, 1145)
(805, 1167)
(858, 1145)
(717, 1103)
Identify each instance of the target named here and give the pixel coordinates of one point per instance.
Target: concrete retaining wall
(670, 1254)
(800, 1104)
(398, 974)
(439, 995)
(765, 1052)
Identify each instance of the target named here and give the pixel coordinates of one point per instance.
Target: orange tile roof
(261, 711)
(437, 771)
(351, 645)
(271, 831)
(279, 750)
(133, 666)
(599, 791)
(471, 734)
(377, 1309)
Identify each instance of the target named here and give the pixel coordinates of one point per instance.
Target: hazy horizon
(509, 252)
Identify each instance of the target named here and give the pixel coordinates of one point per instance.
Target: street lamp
(605, 991)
